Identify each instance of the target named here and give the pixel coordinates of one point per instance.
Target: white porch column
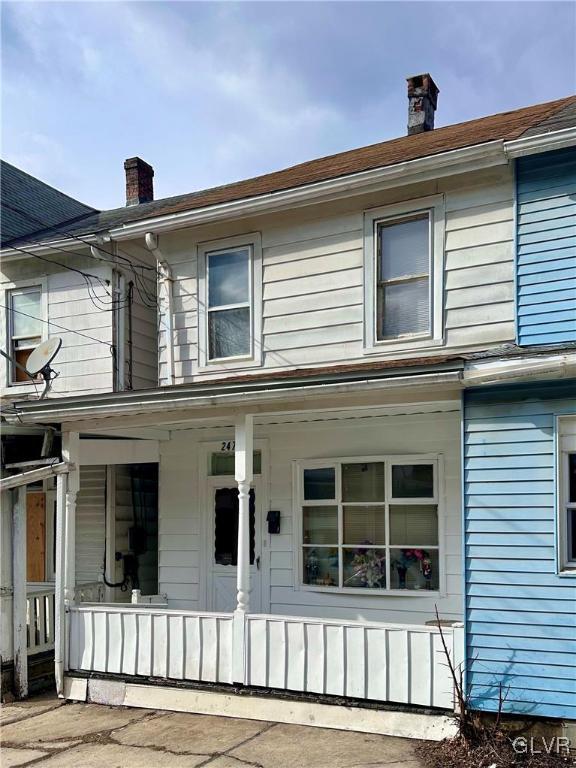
(6, 584)
(243, 471)
(70, 454)
(59, 604)
(19, 594)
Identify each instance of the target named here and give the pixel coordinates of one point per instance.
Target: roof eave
(543, 142)
(409, 172)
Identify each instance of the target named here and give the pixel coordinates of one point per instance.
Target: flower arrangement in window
(369, 568)
(409, 557)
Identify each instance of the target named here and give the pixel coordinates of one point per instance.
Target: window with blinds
(370, 524)
(403, 277)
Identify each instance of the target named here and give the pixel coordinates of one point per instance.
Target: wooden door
(35, 536)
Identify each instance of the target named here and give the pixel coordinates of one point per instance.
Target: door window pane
(414, 524)
(363, 482)
(412, 481)
(404, 248)
(572, 478)
(228, 278)
(229, 333)
(222, 463)
(414, 569)
(365, 568)
(320, 483)
(226, 526)
(404, 308)
(321, 566)
(364, 525)
(320, 525)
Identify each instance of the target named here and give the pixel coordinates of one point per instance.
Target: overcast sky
(213, 92)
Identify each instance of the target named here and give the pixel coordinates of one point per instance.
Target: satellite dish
(41, 357)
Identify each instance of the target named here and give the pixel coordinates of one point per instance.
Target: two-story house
(326, 333)
(102, 306)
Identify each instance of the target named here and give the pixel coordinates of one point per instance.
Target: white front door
(223, 545)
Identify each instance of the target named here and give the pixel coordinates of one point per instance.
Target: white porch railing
(387, 663)
(40, 612)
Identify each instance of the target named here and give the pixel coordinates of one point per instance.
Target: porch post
(70, 454)
(20, 650)
(59, 605)
(243, 453)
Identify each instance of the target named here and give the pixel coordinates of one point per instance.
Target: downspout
(165, 312)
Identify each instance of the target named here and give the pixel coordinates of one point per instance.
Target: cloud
(212, 92)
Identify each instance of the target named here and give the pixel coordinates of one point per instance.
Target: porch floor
(47, 730)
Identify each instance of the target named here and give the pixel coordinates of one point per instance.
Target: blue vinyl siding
(546, 248)
(520, 615)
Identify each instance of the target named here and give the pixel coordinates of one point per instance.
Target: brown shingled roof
(504, 126)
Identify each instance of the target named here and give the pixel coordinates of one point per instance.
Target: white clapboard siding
(313, 282)
(90, 523)
(152, 642)
(380, 662)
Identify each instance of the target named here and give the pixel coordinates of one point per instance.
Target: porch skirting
(260, 706)
(382, 663)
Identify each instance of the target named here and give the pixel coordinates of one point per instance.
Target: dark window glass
(572, 535)
(226, 526)
(572, 477)
(413, 481)
(320, 483)
(229, 333)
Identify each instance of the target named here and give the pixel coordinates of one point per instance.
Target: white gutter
(519, 369)
(238, 399)
(430, 167)
(165, 313)
(543, 142)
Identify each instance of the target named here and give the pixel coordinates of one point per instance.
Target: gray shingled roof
(505, 126)
(29, 206)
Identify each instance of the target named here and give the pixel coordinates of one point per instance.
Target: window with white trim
(403, 265)
(403, 277)
(370, 524)
(567, 492)
(230, 298)
(25, 327)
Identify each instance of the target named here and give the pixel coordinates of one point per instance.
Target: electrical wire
(56, 325)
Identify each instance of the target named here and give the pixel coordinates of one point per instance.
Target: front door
(224, 546)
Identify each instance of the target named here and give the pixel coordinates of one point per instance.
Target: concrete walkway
(49, 733)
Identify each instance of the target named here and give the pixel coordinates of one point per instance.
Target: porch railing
(40, 612)
(379, 662)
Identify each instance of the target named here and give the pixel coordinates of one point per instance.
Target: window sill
(407, 344)
(568, 572)
(229, 364)
(368, 592)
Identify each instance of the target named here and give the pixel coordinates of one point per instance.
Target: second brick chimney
(139, 181)
(422, 100)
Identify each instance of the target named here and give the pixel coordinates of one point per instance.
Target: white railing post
(19, 603)
(459, 657)
(243, 454)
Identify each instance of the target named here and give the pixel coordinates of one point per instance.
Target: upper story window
(25, 327)
(403, 265)
(403, 289)
(229, 305)
(567, 492)
(230, 297)
(370, 524)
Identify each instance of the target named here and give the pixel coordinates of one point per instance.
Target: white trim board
(267, 708)
(95, 452)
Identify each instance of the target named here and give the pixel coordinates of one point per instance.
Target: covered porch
(286, 562)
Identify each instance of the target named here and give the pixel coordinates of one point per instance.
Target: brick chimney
(422, 99)
(139, 184)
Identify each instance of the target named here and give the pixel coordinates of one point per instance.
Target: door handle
(258, 563)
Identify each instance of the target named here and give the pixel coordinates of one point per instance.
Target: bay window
(370, 524)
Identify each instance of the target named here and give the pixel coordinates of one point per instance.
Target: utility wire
(55, 325)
